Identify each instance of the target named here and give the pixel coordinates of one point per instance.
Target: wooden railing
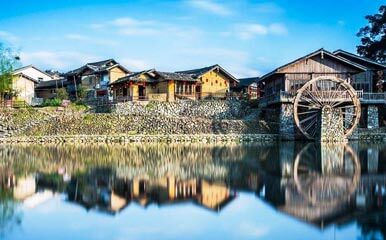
(13, 104)
(288, 96)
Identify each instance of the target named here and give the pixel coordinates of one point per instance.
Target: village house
(214, 81)
(153, 85)
(95, 78)
(282, 85)
(25, 80)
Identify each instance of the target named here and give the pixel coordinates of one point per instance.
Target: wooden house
(95, 77)
(153, 85)
(282, 84)
(214, 81)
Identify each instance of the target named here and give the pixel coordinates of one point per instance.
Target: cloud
(75, 36)
(248, 31)
(58, 60)
(134, 64)
(128, 26)
(9, 37)
(210, 6)
(242, 71)
(341, 23)
(268, 7)
(90, 40)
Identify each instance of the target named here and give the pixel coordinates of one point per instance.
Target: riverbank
(181, 138)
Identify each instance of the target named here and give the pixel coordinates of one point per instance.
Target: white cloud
(9, 37)
(134, 64)
(90, 40)
(60, 60)
(75, 36)
(242, 71)
(277, 28)
(341, 23)
(210, 6)
(268, 7)
(248, 31)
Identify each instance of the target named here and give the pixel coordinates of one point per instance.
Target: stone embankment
(207, 121)
(184, 138)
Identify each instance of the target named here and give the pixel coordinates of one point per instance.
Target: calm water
(268, 191)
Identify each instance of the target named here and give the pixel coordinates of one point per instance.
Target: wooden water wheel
(325, 92)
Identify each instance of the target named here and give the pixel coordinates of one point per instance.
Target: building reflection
(327, 185)
(110, 194)
(321, 185)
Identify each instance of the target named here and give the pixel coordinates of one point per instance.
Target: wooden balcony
(289, 96)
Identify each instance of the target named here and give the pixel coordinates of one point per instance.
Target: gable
(320, 63)
(34, 73)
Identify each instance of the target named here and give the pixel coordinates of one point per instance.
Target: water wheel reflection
(326, 175)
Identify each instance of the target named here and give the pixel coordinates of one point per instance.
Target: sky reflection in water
(269, 191)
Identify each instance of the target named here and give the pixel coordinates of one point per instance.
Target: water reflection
(321, 185)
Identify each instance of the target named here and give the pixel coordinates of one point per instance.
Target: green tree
(8, 61)
(373, 37)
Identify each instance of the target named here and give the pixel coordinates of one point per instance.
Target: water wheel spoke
(308, 112)
(308, 118)
(312, 123)
(314, 97)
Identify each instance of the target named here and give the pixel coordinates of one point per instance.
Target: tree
(7, 62)
(373, 37)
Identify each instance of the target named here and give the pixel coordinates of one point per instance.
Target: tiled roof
(97, 67)
(244, 82)
(176, 76)
(156, 76)
(200, 71)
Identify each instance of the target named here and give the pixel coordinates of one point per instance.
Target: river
(288, 190)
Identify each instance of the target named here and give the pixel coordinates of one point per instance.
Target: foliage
(62, 94)
(373, 37)
(7, 64)
(81, 93)
(78, 106)
(55, 102)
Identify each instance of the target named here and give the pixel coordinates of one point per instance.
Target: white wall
(33, 73)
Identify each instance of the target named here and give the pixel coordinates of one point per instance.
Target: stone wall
(331, 125)
(201, 109)
(372, 117)
(113, 124)
(132, 119)
(287, 122)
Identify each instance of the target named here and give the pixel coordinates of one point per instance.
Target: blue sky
(248, 38)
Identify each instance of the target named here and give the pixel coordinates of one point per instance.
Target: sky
(247, 38)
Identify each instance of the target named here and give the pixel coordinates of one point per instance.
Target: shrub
(55, 102)
(62, 94)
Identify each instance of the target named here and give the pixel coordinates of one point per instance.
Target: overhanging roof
(319, 51)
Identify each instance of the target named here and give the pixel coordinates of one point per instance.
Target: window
(207, 80)
(216, 81)
(220, 84)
